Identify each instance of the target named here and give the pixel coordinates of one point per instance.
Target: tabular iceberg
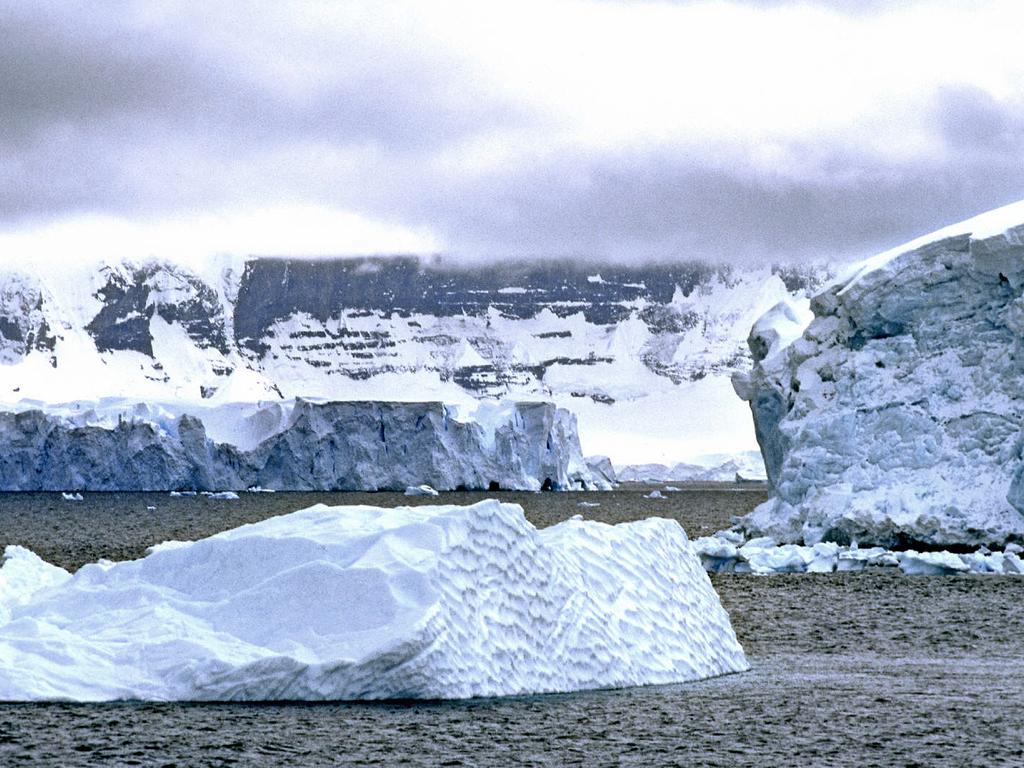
(369, 603)
(118, 445)
(894, 418)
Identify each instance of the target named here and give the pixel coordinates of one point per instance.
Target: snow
(727, 552)
(420, 490)
(116, 444)
(895, 418)
(985, 225)
(932, 563)
(366, 603)
(708, 467)
(636, 408)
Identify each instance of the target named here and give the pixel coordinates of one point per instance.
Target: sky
(747, 132)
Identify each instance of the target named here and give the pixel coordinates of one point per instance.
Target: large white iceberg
(894, 417)
(368, 603)
(118, 445)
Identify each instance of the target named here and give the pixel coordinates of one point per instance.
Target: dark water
(862, 669)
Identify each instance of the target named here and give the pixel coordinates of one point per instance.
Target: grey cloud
(971, 120)
(659, 206)
(125, 119)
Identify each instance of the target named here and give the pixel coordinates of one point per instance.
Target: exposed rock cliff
(895, 418)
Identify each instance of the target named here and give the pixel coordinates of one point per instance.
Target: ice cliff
(293, 445)
(894, 417)
(625, 348)
(368, 603)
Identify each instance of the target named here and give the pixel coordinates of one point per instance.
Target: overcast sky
(742, 131)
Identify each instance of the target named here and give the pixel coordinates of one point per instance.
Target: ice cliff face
(298, 445)
(626, 348)
(895, 417)
(366, 603)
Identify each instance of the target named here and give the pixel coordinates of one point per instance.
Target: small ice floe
(589, 504)
(150, 508)
(420, 490)
(177, 494)
(932, 563)
(655, 494)
(726, 552)
(672, 489)
(221, 495)
(856, 559)
(72, 496)
(257, 489)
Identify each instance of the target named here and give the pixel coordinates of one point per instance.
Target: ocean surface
(865, 669)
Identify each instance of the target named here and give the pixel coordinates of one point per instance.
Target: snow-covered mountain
(642, 354)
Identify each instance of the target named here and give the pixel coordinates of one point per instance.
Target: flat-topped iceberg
(892, 416)
(335, 603)
(118, 445)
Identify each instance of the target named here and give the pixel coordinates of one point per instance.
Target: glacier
(628, 354)
(346, 603)
(891, 414)
(291, 445)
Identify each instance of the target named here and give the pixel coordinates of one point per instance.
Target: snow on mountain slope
(368, 603)
(895, 418)
(641, 354)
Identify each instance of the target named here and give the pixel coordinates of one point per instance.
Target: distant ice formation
(746, 466)
(894, 417)
(296, 445)
(368, 603)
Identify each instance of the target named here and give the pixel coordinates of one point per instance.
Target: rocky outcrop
(321, 446)
(894, 418)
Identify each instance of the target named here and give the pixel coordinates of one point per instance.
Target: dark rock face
(131, 297)
(23, 324)
(273, 290)
(330, 446)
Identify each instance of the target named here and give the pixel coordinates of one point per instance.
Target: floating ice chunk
(734, 537)
(1012, 563)
(655, 494)
(257, 489)
(717, 555)
(368, 603)
(789, 558)
(71, 496)
(824, 557)
(932, 563)
(178, 494)
(221, 495)
(672, 489)
(589, 504)
(761, 542)
(420, 490)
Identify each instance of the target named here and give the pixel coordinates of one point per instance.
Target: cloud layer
(738, 131)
